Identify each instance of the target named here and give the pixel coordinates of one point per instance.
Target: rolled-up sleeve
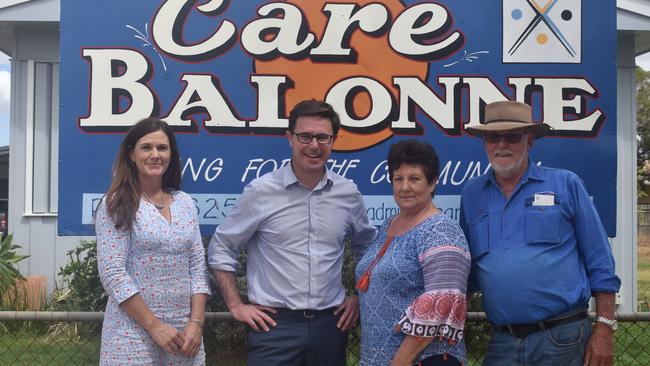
(112, 251)
(441, 310)
(235, 231)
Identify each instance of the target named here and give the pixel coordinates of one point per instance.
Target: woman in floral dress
(150, 256)
(412, 280)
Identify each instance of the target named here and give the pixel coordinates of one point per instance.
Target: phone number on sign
(213, 208)
(210, 208)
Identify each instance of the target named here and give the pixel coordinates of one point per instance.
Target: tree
(643, 127)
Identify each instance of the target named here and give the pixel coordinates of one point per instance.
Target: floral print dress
(164, 262)
(417, 288)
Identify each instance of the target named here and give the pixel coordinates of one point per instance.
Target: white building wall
(33, 151)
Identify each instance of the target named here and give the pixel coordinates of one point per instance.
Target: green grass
(643, 283)
(23, 348)
(643, 277)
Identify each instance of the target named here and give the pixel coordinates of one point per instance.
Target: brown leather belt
(524, 330)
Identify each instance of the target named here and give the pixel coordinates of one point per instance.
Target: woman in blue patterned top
(412, 280)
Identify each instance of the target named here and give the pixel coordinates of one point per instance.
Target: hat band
(508, 120)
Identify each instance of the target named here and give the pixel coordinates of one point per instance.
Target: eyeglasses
(510, 138)
(305, 138)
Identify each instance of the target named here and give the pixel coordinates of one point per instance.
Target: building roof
(8, 3)
(634, 16)
(30, 10)
(14, 12)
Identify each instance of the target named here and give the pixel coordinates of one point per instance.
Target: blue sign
(224, 75)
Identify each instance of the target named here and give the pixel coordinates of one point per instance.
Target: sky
(644, 61)
(5, 88)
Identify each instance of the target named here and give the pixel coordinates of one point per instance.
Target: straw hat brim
(540, 129)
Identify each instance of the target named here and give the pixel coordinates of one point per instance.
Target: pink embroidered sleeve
(440, 311)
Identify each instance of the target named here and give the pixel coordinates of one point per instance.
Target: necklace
(160, 207)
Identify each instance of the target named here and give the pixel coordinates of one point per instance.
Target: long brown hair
(123, 196)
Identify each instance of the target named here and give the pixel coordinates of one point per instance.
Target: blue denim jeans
(561, 345)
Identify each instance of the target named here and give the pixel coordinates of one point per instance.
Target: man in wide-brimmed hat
(539, 251)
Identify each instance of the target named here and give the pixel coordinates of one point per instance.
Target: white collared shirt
(294, 238)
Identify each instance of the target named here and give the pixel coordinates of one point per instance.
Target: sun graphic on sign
(313, 79)
(542, 30)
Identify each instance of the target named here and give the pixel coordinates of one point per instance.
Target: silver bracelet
(197, 322)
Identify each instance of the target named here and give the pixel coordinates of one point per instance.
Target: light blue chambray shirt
(294, 238)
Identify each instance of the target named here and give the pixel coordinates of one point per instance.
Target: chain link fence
(73, 338)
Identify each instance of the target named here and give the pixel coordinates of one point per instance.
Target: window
(41, 138)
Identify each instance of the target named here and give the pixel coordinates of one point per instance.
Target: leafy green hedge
(82, 289)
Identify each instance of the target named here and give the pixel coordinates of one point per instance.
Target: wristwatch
(612, 323)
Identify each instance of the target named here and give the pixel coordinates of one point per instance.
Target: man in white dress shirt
(293, 222)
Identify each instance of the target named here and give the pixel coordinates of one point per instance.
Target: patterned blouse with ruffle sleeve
(418, 288)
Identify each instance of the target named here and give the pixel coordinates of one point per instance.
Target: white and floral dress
(164, 262)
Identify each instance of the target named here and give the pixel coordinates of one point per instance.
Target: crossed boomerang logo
(541, 15)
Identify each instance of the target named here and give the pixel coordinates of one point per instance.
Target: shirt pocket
(542, 226)
(479, 237)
